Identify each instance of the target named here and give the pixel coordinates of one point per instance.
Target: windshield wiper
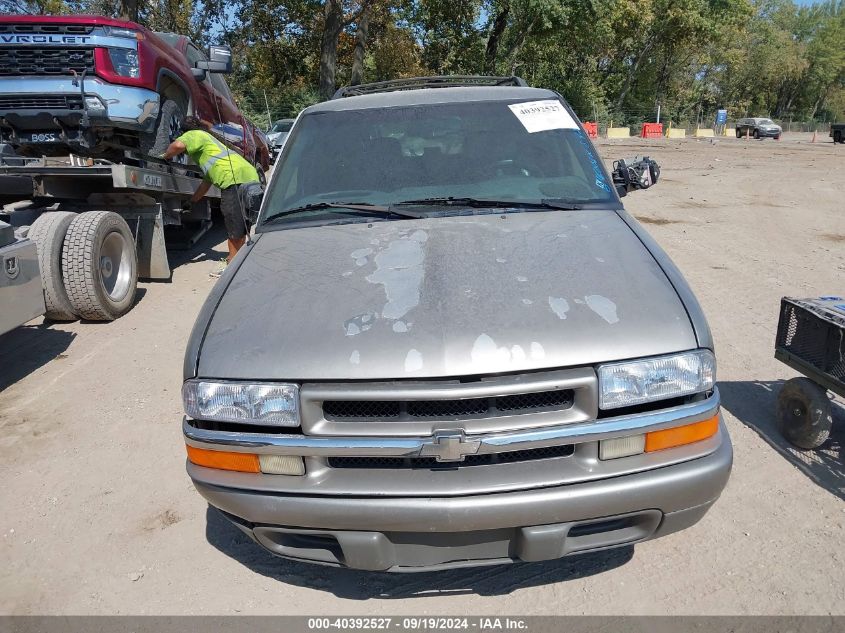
(360, 207)
(482, 203)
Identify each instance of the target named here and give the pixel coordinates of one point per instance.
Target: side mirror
(198, 73)
(630, 174)
(251, 197)
(219, 60)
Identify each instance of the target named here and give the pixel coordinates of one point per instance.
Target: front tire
(100, 266)
(837, 137)
(803, 413)
(167, 129)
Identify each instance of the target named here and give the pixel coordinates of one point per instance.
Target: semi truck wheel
(100, 266)
(48, 233)
(803, 413)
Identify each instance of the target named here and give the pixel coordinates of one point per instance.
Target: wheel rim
(115, 266)
(797, 412)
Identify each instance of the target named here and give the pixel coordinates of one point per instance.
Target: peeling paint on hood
(293, 311)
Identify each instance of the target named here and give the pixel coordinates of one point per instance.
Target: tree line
(611, 59)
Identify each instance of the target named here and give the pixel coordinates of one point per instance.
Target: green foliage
(612, 59)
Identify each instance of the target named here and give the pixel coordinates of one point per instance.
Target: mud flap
(148, 229)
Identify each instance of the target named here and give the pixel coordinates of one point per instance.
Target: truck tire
(803, 413)
(100, 266)
(48, 233)
(170, 119)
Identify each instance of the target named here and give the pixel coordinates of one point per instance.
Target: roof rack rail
(437, 81)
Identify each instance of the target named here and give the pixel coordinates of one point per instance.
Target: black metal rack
(438, 81)
(811, 340)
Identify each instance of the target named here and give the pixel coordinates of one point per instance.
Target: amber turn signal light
(680, 435)
(223, 460)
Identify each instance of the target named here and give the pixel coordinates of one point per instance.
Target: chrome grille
(38, 102)
(64, 29)
(430, 463)
(45, 61)
(345, 410)
(419, 408)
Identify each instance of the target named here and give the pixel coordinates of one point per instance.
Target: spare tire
(100, 266)
(170, 118)
(48, 233)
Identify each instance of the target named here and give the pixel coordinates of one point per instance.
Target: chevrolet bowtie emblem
(450, 446)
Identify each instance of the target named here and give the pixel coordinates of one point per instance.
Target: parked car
(758, 128)
(277, 135)
(280, 129)
(837, 132)
(449, 344)
(99, 86)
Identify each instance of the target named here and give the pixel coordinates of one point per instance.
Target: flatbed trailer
(97, 227)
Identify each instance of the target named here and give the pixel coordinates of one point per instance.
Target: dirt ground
(98, 516)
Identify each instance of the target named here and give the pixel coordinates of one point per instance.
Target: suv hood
(442, 297)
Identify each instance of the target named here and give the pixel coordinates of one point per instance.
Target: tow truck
(76, 233)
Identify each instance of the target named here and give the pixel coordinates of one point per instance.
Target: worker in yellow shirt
(223, 168)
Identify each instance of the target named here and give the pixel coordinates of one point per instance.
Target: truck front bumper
(424, 533)
(51, 103)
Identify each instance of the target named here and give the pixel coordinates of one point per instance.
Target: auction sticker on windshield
(538, 116)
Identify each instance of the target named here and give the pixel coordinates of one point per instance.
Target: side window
(220, 85)
(194, 55)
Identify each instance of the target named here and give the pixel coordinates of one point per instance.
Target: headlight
(125, 62)
(115, 31)
(272, 404)
(635, 382)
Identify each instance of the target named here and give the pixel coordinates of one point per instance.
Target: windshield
(766, 122)
(389, 155)
(281, 126)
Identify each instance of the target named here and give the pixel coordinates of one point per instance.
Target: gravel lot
(98, 515)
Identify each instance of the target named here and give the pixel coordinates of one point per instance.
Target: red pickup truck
(100, 86)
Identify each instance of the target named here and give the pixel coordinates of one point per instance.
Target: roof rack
(438, 81)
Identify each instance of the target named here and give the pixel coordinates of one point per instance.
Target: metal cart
(811, 340)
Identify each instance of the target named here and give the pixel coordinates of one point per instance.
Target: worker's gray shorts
(233, 215)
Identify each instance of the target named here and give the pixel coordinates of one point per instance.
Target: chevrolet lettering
(44, 39)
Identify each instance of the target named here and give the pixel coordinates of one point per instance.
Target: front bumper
(770, 133)
(424, 533)
(125, 107)
(420, 519)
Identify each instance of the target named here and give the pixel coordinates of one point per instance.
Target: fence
(635, 119)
